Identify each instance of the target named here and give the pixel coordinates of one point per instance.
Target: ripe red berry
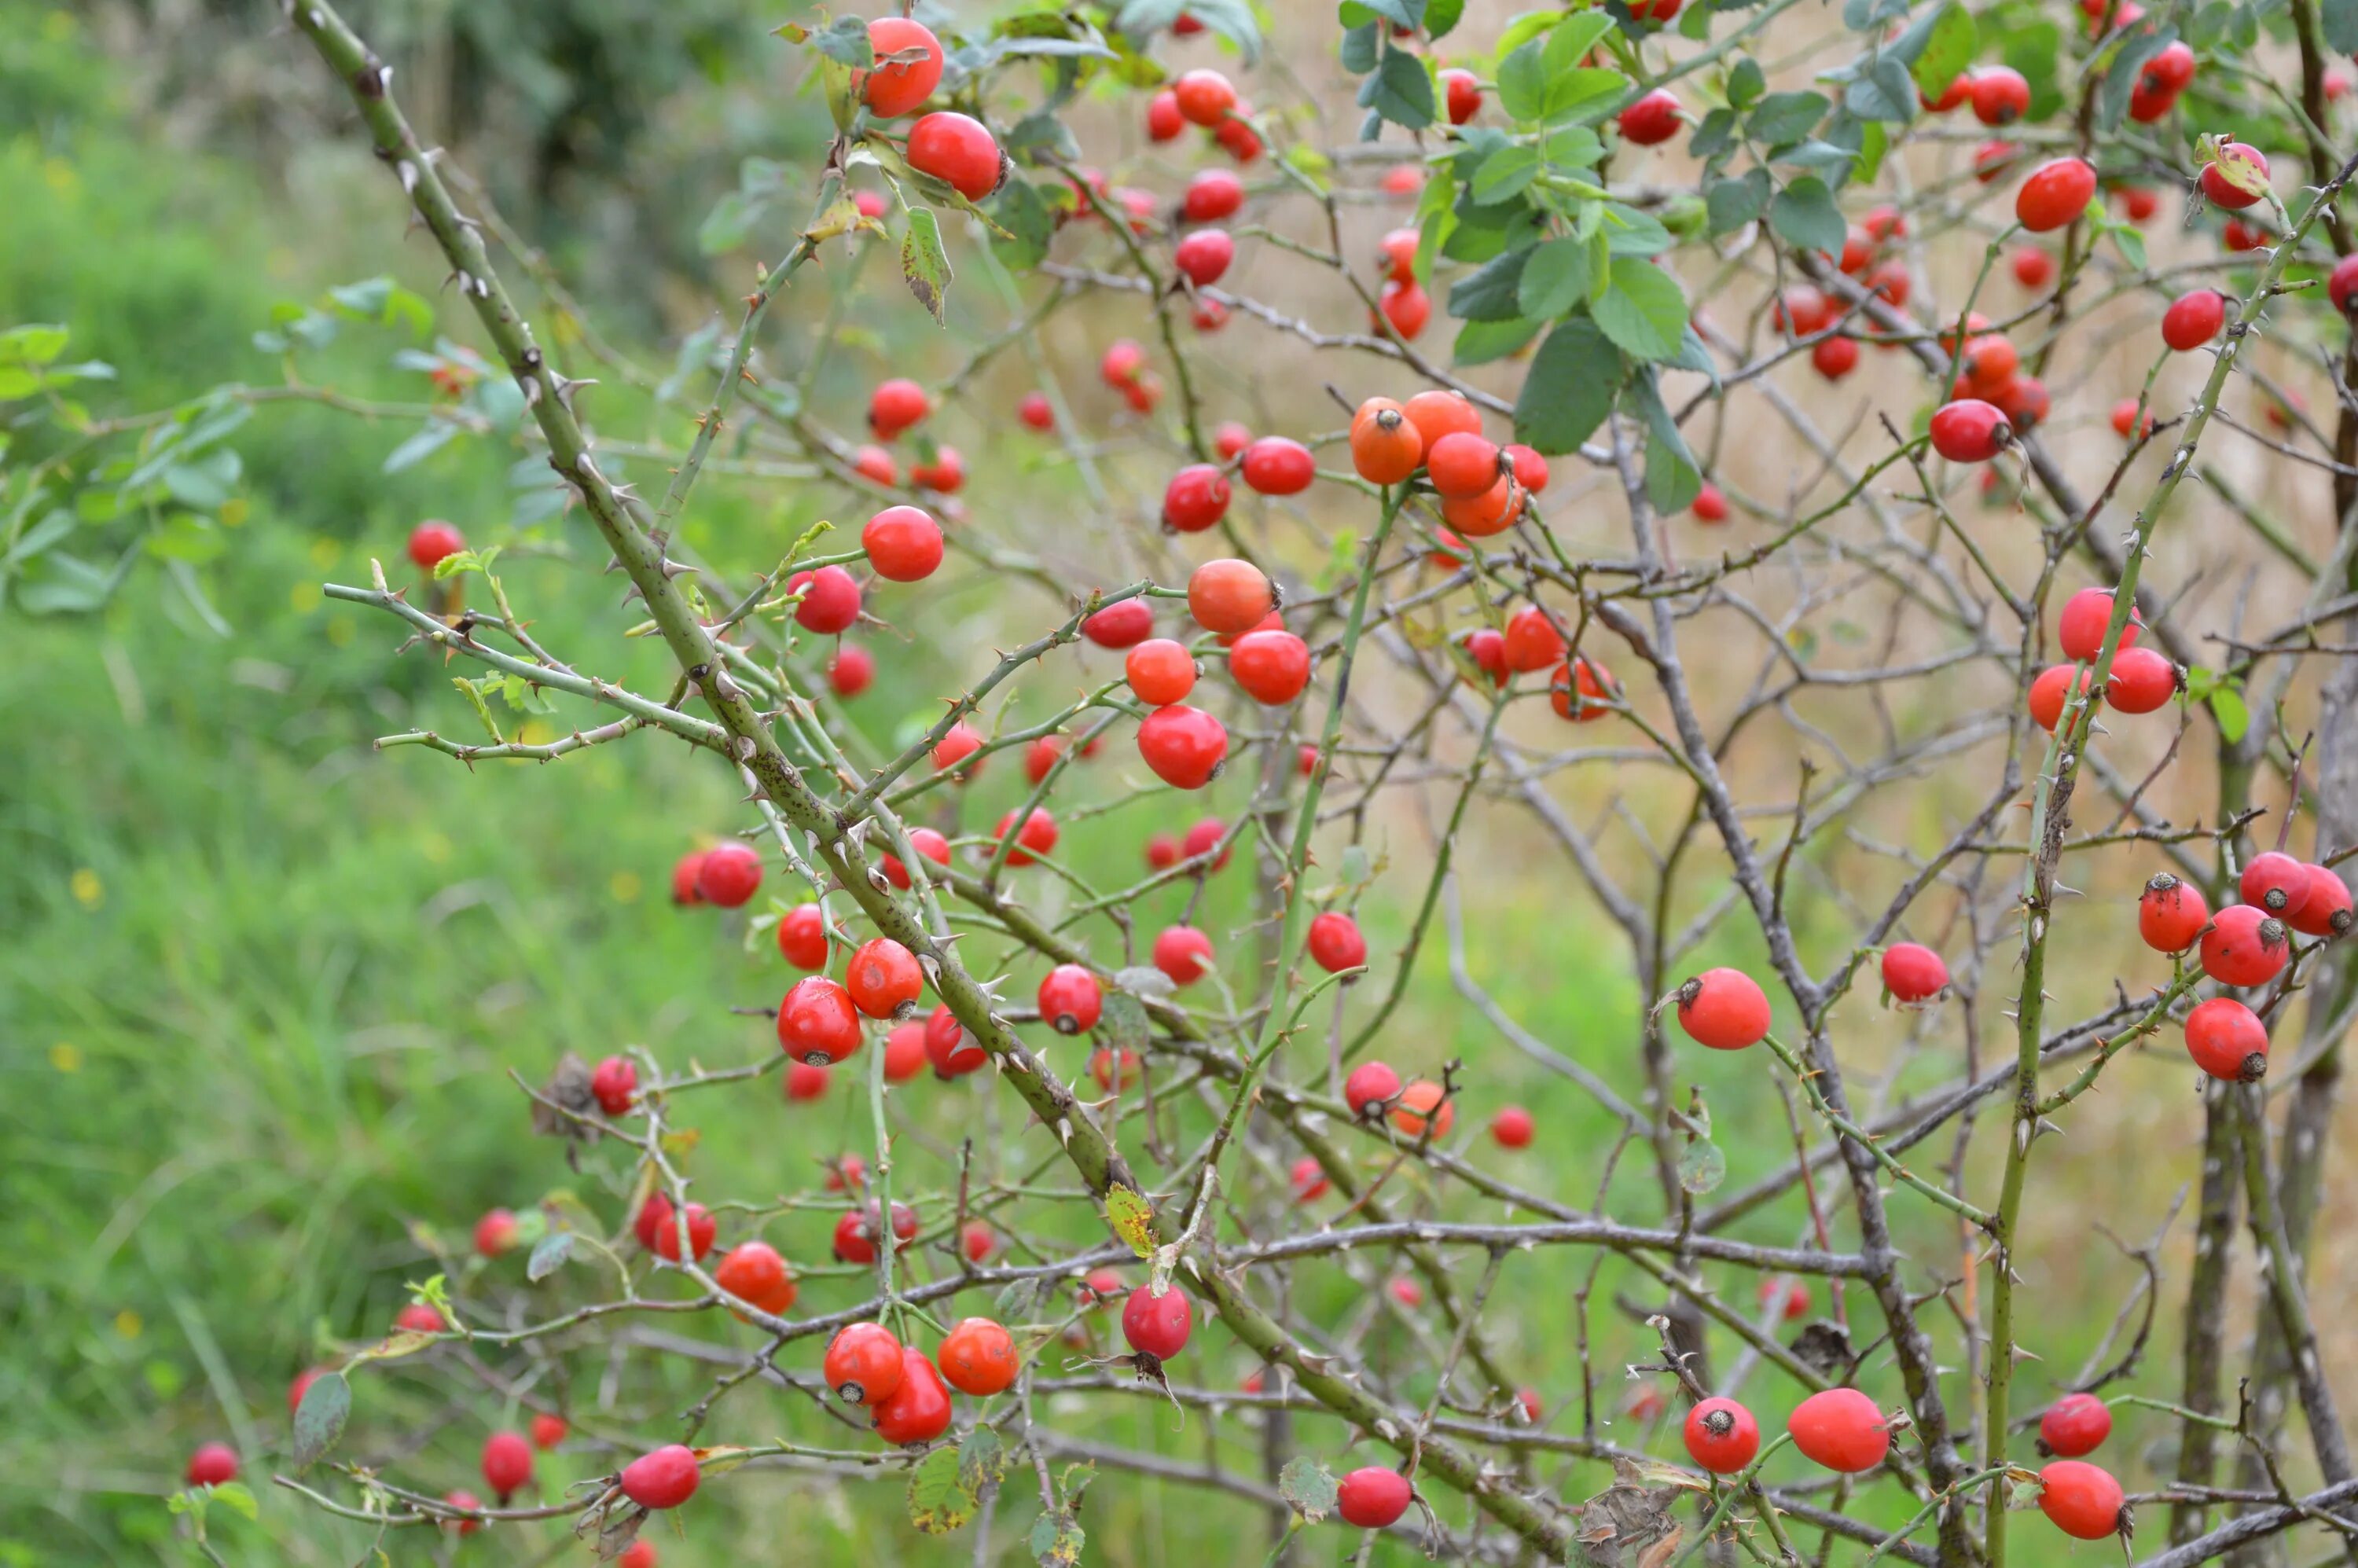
(507, 1464)
(1787, 1297)
(1461, 464)
(904, 1055)
(1183, 746)
(856, 1233)
(1204, 255)
(1164, 120)
(431, 543)
(1513, 1126)
(1271, 667)
(212, 1465)
(959, 151)
(1834, 358)
(1205, 97)
(2236, 177)
(662, 1479)
(2082, 1500)
(2076, 1424)
(958, 742)
(1970, 431)
(419, 1318)
(1372, 1498)
(1157, 1325)
(2244, 946)
(2087, 615)
(1840, 1429)
(1160, 671)
(1123, 624)
(2193, 319)
(2057, 192)
(892, 90)
(2050, 691)
(461, 1504)
(1183, 954)
(2171, 913)
(1406, 306)
(1213, 194)
(884, 979)
(806, 1083)
(1336, 945)
(1590, 682)
(979, 1357)
(1036, 837)
(948, 1047)
(2125, 419)
(1036, 412)
(1989, 362)
(903, 544)
(818, 1023)
(1275, 466)
(548, 1429)
(1913, 973)
(1196, 499)
(1071, 1000)
(852, 670)
(496, 1232)
(895, 405)
(1370, 1084)
(863, 1363)
(2227, 1040)
(1461, 95)
(830, 600)
(1724, 1009)
(1531, 469)
(1532, 641)
(1386, 444)
(2277, 882)
(2141, 681)
(978, 1241)
(2000, 94)
(1722, 1436)
(1651, 120)
(2033, 268)
(1957, 93)
(1114, 1072)
(2326, 911)
(2344, 282)
(874, 464)
(1203, 838)
(802, 937)
(945, 473)
(684, 874)
(1307, 1179)
(730, 874)
(1421, 1102)
(1710, 505)
(701, 1227)
(918, 1410)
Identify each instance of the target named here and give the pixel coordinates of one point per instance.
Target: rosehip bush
(1747, 557)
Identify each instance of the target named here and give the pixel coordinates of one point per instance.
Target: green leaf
(1570, 388)
(1504, 174)
(1874, 142)
(1673, 478)
(2130, 242)
(1701, 1167)
(1732, 203)
(1025, 213)
(431, 438)
(923, 265)
(939, 1502)
(1715, 137)
(1571, 147)
(36, 345)
(1308, 1487)
(1480, 342)
(1569, 44)
(1947, 45)
(982, 1460)
(1523, 83)
(319, 1419)
(1131, 1217)
(549, 1256)
(1361, 49)
(1881, 92)
(1745, 83)
(1491, 292)
(1631, 232)
(1587, 92)
(2228, 709)
(237, 1498)
(1643, 311)
(2339, 18)
(731, 222)
(846, 43)
(1056, 1540)
(1442, 16)
(1804, 214)
(207, 481)
(1554, 279)
(1401, 90)
(1784, 117)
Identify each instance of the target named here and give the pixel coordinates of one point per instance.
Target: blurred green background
(260, 985)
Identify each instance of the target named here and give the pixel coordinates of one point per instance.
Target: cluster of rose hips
(2243, 945)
